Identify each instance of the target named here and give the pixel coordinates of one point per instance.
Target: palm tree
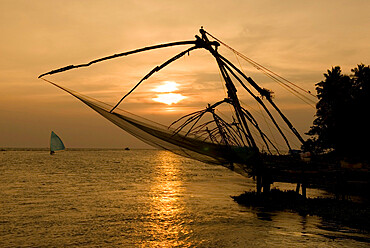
(332, 120)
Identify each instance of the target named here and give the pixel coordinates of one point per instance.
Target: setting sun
(168, 86)
(167, 97)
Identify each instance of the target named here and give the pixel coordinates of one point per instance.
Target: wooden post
(259, 184)
(266, 186)
(304, 190)
(297, 188)
(266, 183)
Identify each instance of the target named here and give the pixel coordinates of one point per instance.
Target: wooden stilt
(297, 188)
(259, 184)
(266, 182)
(266, 187)
(304, 190)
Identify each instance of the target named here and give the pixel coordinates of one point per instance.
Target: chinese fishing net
(179, 142)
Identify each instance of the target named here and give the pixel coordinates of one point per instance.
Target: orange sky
(299, 40)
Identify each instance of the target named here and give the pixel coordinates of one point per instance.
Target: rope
(270, 73)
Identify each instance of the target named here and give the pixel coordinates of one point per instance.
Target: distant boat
(127, 149)
(56, 144)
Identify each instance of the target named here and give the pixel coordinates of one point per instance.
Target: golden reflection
(167, 213)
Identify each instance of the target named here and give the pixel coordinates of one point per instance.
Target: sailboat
(56, 144)
(239, 143)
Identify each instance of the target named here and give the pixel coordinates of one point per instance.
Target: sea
(144, 198)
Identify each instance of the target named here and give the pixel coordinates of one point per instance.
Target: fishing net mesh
(236, 158)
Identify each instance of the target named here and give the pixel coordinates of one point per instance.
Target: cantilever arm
(256, 86)
(69, 67)
(156, 69)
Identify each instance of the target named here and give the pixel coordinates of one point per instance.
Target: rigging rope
(271, 74)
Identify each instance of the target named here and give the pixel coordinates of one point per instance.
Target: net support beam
(69, 67)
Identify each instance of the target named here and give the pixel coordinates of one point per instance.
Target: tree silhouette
(341, 123)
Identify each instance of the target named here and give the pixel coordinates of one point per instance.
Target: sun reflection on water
(167, 208)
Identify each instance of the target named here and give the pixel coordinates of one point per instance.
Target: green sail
(56, 143)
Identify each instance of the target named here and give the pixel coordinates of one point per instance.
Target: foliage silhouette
(341, 124)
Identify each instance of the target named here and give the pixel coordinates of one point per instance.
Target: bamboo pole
(268, 97)
(69, 67)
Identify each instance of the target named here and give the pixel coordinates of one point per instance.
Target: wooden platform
(338, 177)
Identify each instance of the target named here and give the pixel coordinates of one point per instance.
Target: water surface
(143, 198)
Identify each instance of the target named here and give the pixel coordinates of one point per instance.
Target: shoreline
(346, 212)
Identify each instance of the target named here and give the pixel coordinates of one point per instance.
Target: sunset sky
(299, 40)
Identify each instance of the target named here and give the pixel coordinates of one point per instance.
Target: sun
(166, 96)
(167, 86)
(169, 98)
